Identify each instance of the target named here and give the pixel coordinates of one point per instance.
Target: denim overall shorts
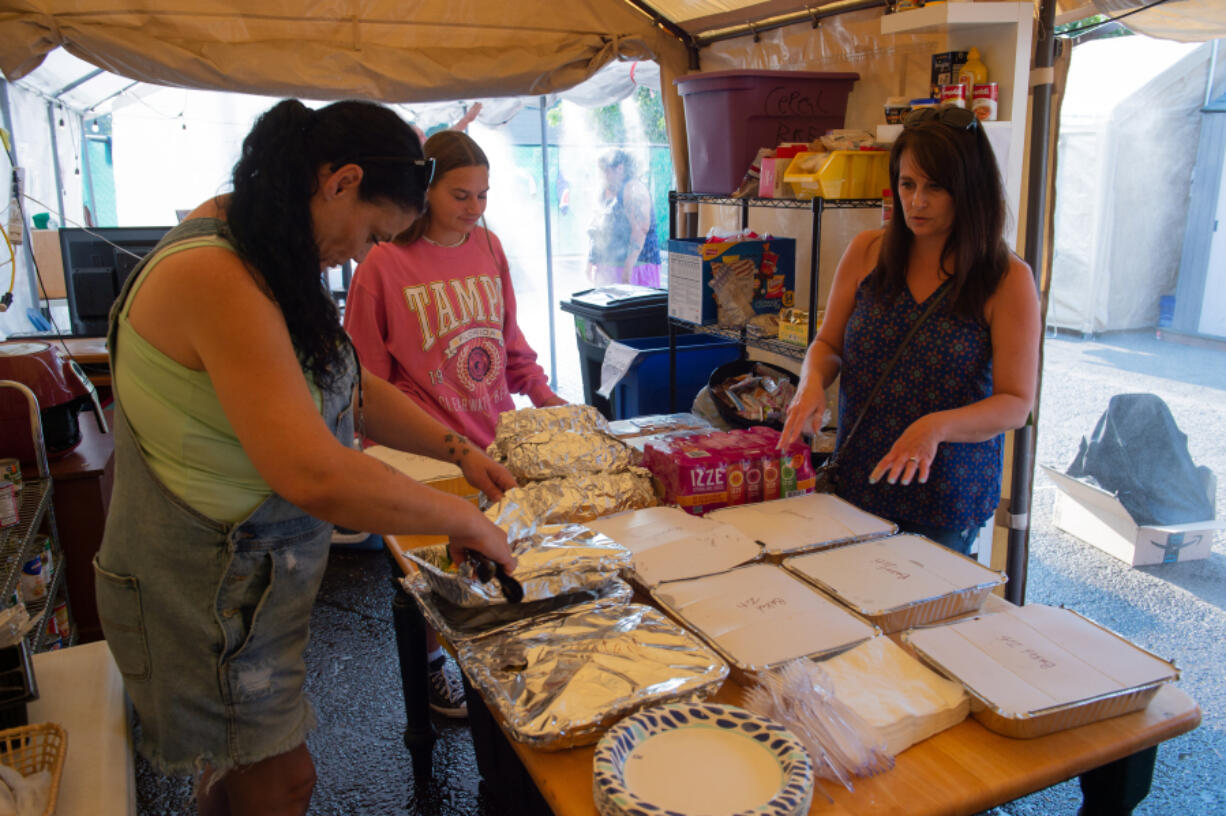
(208, 620)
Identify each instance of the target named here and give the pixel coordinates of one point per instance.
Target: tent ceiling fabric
(1182, 20)
(377, 49)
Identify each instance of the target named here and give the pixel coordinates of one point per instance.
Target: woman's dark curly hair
(269, 213)
(960, 160)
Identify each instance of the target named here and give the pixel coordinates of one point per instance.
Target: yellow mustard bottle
(973, 72)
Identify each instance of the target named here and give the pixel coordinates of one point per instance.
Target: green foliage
(651, 109)
(608, 124)
(1072, 30)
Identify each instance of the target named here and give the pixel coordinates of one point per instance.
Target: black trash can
(615, 312)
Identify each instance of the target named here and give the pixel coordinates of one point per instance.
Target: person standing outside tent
(625, 247)
(236, 394)
(929, 453)
(434, 313)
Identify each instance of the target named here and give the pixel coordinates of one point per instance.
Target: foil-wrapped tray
(457, 624)
(556, 560)
(900, 581)
(515, 425)
(760, 616)
(1036, 669)
(578, 498)
(555, 454)
(560, 680)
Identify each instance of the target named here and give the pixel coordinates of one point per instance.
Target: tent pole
(553, 339)
(87, 170)
(1018, 553)
(55, 160)
(27, 252)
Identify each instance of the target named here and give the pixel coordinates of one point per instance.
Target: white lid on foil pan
(761, 616)
(804, 522)
(1036, 669)
(668, 544)
(887, 575)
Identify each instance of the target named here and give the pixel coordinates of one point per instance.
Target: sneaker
(446, 688)
(343, 535)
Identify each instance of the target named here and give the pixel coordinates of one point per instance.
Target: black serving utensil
(487, 569)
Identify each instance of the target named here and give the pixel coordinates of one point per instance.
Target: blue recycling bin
(644, 390)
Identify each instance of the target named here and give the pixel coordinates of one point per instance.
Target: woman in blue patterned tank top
(928, 454)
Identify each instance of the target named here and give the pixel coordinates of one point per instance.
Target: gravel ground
(1177, 611)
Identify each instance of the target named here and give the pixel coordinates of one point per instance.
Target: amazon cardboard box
(1097, 517)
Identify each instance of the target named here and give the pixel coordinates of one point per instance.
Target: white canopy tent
(427, 50)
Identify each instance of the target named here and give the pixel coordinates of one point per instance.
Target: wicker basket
(33, 748)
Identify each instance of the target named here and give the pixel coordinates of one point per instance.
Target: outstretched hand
(804, 413)
(911, 455)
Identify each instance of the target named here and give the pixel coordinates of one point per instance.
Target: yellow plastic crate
(855, 174)
(804, 182)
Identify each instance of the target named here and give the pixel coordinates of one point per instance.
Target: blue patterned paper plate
(701, 759)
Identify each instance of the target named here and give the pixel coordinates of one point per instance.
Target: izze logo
(707, 479)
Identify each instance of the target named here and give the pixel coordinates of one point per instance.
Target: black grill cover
(1138, 453)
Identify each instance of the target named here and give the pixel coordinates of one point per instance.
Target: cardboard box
(770, 183)
(693, 264)
(1097, 517)
(945, 68)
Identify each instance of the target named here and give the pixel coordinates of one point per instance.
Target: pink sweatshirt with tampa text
(439, 324)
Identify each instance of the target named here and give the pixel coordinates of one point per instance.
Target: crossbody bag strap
(889, 367)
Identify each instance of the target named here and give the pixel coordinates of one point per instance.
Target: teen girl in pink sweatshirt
(434, 313)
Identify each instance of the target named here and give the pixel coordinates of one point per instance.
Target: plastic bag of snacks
(760, 395)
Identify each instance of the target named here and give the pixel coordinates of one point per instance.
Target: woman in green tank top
(236, 397)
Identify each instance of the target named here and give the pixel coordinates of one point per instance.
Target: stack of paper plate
(701, 758)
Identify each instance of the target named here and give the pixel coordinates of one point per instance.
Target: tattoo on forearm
(452, 440)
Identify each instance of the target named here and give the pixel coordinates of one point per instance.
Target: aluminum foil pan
(575, 499)
(552, 454)
(458, 624)
(758, 617)
(516, 425)
(557, 560)
(560, 680)
(977, 582)
(1019, 723)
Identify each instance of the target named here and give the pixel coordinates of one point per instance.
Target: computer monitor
(97, 261)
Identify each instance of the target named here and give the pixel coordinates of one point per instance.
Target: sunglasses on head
(423, 168)
(951, 115)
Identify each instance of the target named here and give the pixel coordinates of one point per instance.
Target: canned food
(33, 581)
(10, 469)
(984, 101)
(896, 108)
(60, 614)
(954, 95)
(8, 504)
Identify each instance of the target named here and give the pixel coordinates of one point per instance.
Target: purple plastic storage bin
(729, 115)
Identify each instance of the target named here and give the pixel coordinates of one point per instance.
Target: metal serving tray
(1002, 719)
(458, 624)
(562, 679)
(557, 560)
(967, 589)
